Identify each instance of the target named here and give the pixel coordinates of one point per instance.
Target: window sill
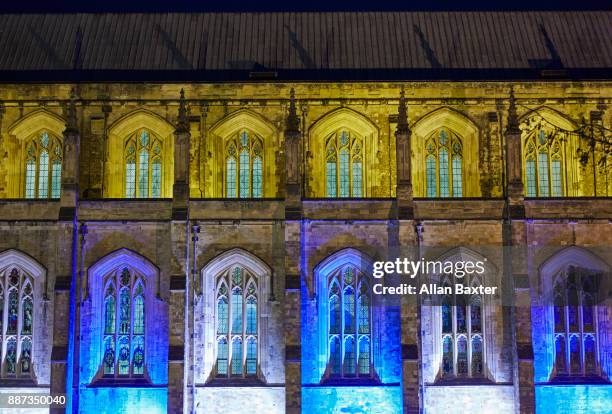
(17, 382)
(569, 380)
(349, 382)
(236, 382)
(451, 382)
(122, 382)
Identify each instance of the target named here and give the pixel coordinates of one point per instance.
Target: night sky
(58, 6)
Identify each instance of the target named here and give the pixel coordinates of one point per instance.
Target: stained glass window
(344, 165)
(476, 356)
(237, 363)
(349, 329)
(575, 330)
(443, 165)
(335, 356)
(447, 356)
(222, 356)
(244, 166)
(364, 310)
(544, 178)
(143, 165)
(349, 356)
(364, 356)
(43, 167)
(237, 300)
(124, 319)
(251, 358)
(461, 334)
(16, 331)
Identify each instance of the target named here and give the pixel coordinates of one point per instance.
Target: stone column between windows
(293, 254)
(405, 209)
(70, 163)
(514, 164)
(180, 188)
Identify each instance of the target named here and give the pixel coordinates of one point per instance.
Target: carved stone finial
(293, 120)
(71, 116)
(402, 116)
(183, 121)
(513, 120)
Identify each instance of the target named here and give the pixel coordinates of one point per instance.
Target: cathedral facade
(191, 207)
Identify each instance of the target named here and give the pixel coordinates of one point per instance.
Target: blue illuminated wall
(573, 399)
(124, 400)
(148, 395)
(382, 394)
(579, 396)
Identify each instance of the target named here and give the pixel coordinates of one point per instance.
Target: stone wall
(518, 350)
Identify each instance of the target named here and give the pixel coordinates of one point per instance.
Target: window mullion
(251, 159)
(150, 173)
(550, 160)
(4, 326)
(341, 294)
(450, 170)
(454, 336)
(230, 318)
(581, 330)
(117, 322)
(568, 338)
(437, 171)
(537, 168)
(468, 316)
(338, 173)
(36, 173)
(131, 332)
(243, 344)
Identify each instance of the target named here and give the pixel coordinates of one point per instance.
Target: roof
(305, 46)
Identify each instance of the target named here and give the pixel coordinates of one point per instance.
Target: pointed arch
(118, 168)
(462, 253)
(22, 280)
(242, 148)
(35, 144)
(343, 148)
(123, 257)
(345, 315)
(445, 116)
(551, 115)
(550, 163)
(36, 121)
(343, 257)
(572, 256)
(243, 119)
(458, 158)
(461, 336)
(233, 257)
(14, 257)
(125, 320)
(574, 323)
(234, 314)
(138, 119)
(343, 118)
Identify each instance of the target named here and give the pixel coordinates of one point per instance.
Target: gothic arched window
(544, 170)
(123, 339)
(43, 167)
(244, 166)
(575, 320)
(344, 165)
(444, 165)
(237, 328)
(16, 323)
(462, 338)
(349, 324)
(143, 165)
